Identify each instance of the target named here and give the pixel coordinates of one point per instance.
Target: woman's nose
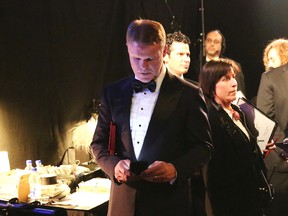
(234, 82)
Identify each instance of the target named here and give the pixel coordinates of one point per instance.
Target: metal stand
(202, 36)
(174, 25)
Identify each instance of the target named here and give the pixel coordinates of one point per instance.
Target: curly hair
(176, 37)
(281, 47)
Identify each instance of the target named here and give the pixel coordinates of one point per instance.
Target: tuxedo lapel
(167, 101)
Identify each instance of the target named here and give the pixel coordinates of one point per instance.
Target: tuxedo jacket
(234, 170)
(178, 133)
(272, 98)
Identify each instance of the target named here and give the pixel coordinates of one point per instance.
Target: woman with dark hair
(236, 170)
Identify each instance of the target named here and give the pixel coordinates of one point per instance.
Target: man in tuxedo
(162, 131)
(177, 58)
(177, 61)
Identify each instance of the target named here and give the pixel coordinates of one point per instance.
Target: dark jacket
(272, 99)
(234, 170)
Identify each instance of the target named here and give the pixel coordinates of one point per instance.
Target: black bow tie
(139, 86)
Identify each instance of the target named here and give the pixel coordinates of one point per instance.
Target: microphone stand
(202, 53)
(174, 25)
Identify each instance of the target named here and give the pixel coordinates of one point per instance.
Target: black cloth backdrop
(57, 55)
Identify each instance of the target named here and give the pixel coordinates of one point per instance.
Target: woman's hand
(269, 146)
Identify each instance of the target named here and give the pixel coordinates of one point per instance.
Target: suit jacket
(234, 170)
(178, 133)
(272, 98)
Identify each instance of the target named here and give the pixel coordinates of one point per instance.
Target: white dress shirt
(142, 107)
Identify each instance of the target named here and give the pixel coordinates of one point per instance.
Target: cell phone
(138, 166)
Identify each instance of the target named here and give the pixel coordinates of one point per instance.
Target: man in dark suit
(177, 61)
(177, 58)
(163, 125)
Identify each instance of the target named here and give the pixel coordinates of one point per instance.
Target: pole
(202, 36)
(174, 25)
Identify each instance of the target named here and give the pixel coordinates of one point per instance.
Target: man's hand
(121, 171)
(159, 171)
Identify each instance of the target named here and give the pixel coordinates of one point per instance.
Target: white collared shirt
(142, 107)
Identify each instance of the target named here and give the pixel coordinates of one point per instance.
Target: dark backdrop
(57, 55)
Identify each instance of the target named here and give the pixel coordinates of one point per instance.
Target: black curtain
(57, 55)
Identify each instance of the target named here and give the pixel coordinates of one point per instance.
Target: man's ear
(165, 50)
(166, 58)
